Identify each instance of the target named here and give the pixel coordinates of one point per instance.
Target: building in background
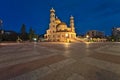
(95, 36)
(58, 30)
(116, 34)
(8, 36)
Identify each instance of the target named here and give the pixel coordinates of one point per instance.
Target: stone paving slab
(106, 57)
(34, 75)
(102, 64)
(86, 71)
(44, 71)
(75, 77)
(24, 60)
(61, 64)
(15, 70)
(114, 50)
(76, 66)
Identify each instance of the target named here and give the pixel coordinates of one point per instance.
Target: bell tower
(72, 24)
(52, 15)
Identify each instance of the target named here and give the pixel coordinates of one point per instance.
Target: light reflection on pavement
(59, 61)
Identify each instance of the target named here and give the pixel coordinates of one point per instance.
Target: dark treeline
(23, 35)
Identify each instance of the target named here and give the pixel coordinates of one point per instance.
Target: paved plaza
(60, 61)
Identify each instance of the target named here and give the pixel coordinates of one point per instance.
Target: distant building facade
(116, 33)
(95, 34)
(58, 30)
(8, 36)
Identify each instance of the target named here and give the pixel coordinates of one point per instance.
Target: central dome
(61, 27)
(62, 23)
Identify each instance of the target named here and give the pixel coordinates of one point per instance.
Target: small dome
(57, 21)
(61, 27)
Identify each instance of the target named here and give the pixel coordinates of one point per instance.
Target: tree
(23, 34)
(31, 34)
(23, 29)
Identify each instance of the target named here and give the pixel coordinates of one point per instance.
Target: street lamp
(87, 36)
(1, 23)
(1, 30)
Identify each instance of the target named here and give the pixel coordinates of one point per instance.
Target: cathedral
(58, 31)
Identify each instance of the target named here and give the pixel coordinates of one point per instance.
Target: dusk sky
(89, 14)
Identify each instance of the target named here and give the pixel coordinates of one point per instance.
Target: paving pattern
(60, 61)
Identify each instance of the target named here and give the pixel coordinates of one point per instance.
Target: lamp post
(1, 30)
(87, 36)
(1, 24)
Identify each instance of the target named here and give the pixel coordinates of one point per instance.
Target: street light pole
(87, 36)
(1, 30)
(1, 24)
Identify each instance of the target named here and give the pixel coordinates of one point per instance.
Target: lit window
(66, 35)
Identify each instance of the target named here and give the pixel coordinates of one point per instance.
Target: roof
(62, 23)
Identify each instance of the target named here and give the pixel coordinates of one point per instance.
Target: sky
(100, 15)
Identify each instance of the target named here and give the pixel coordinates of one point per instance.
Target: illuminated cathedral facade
(58, 31)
